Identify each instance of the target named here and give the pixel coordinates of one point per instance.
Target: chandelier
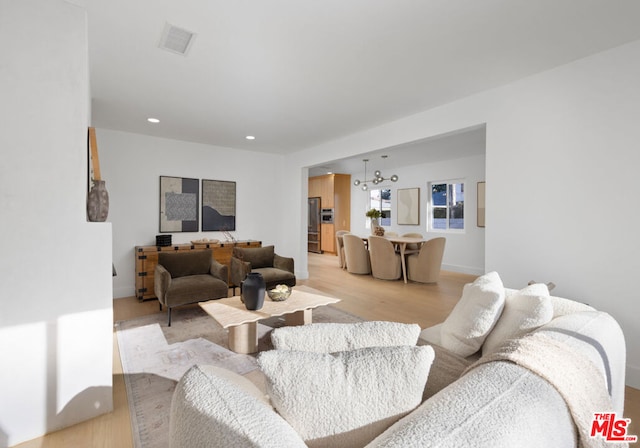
(377, 177)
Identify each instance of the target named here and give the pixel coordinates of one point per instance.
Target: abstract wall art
(409, 206)
(218, 205)
(179, 198)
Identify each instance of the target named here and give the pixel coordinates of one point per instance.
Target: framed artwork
(408, 207)
(218, 205)
(481, 203)
(179, 198)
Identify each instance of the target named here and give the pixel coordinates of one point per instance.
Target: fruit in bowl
(279, 293)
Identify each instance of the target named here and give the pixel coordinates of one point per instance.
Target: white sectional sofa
(479, 401)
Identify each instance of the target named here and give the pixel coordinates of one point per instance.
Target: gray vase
(98, 202)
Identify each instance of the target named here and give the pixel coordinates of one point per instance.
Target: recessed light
(153, 120)
(250, 137)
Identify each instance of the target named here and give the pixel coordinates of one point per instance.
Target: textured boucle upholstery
(209, 410)
(497, 404)
(579, 382)
(597, 336)
(345, 399)
(523, 312)
(471, 320)
(333, 337)
(500, 405)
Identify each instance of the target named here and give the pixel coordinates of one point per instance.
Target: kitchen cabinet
(334, 191)
(328, 238)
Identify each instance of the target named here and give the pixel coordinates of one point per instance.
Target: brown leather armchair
(189, 277)
(275, 269)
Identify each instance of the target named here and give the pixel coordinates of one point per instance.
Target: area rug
(154, 357)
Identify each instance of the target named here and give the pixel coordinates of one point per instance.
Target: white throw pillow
(523, 312)
(475, 314)
(345, 398)
(335, 337)
(209, 409)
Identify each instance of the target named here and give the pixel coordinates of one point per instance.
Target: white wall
(562, 164)
(464, 251)
(56, 314)
(132, 164)
(561, 170)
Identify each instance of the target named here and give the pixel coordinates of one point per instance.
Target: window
(446, 211)
(381, 200)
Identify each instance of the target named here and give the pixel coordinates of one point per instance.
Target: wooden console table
(146, 259)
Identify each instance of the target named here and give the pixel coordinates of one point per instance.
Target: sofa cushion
(345, 398)
(523, 312)
(180, 264)
(259, 257)
(211, 410)
(195, 288)
(475, 314)
(336, 337)
(273, 276)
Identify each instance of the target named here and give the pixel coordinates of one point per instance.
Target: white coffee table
(242, 323)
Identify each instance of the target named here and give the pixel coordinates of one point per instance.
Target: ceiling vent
(176, 40)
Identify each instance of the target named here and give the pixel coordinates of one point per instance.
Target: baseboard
(462, 269)
(633, 377)
(122, 292)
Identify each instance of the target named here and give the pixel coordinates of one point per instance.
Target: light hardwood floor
(363, 295)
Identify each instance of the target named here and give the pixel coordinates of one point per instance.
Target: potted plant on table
(374, 215)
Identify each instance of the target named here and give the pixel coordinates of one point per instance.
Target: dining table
(401, 242)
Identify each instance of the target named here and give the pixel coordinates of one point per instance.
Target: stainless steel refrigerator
(313, 235)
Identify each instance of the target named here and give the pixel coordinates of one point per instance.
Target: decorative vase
(98, 202)
(252, 291)
(374, 224)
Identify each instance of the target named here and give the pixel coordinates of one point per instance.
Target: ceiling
(297, 73)
(464, 143)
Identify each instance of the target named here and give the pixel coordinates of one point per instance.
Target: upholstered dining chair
(412, 247)
(340, 247)
(356, 254)
(424, 267)
(385, 262)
